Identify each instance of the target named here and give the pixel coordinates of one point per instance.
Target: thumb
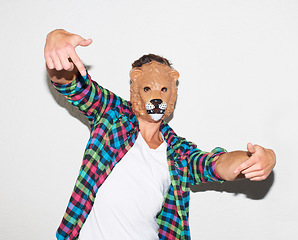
(250, 148)
(85, 42)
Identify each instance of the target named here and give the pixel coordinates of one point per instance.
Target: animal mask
(153, 91)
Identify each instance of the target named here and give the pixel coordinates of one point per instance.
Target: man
(136, 172)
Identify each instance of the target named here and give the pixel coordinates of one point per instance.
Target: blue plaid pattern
(114, 129)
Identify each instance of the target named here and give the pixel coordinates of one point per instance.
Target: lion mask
(153, 91)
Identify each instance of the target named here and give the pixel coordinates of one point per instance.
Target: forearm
(228, 162)
(256, 164)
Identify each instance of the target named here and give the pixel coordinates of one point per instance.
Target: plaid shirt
(114, 129)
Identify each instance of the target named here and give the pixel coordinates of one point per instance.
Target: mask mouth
(156, 109)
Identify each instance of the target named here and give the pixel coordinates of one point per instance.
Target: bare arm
(62, 62)
(256, 164)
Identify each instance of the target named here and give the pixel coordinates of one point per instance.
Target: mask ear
(135, 74)
(174, 75)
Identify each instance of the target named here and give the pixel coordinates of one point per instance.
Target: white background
(238, 83)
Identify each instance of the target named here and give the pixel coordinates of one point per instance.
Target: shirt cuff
(72, 87)
(215, 155)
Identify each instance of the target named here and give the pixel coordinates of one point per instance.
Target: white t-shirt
(129, 200)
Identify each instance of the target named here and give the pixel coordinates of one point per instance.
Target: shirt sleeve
(202, 165)
(90, 98)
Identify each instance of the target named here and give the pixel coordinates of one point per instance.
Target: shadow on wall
(61, 100)
(252, 189)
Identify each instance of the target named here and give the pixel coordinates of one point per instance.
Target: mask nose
(156, 102)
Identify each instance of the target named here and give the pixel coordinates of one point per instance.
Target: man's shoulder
(176, 142)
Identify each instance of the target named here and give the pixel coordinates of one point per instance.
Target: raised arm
(70, 78)
(63, 63)
(256, 164)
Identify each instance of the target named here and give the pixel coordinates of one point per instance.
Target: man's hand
(60, 51)
(259, 165)
(256, 164)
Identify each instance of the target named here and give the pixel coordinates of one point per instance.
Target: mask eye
(147, 89)
(164, 89)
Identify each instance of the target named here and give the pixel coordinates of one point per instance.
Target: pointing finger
(253, 168)
(248, 163)
(255, 174)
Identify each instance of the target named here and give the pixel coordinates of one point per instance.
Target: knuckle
(46, 53)
(68, 47)
(262, 172)
(68, 67)
(259, 167)
(76, 37)
(52, 53)
(263, 177)
(59, 50)
(50, 65)
(257, 158)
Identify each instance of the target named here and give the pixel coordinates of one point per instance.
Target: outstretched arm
(63, 63)
(256, 164)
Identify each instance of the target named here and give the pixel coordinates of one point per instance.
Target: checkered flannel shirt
(114, 129)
